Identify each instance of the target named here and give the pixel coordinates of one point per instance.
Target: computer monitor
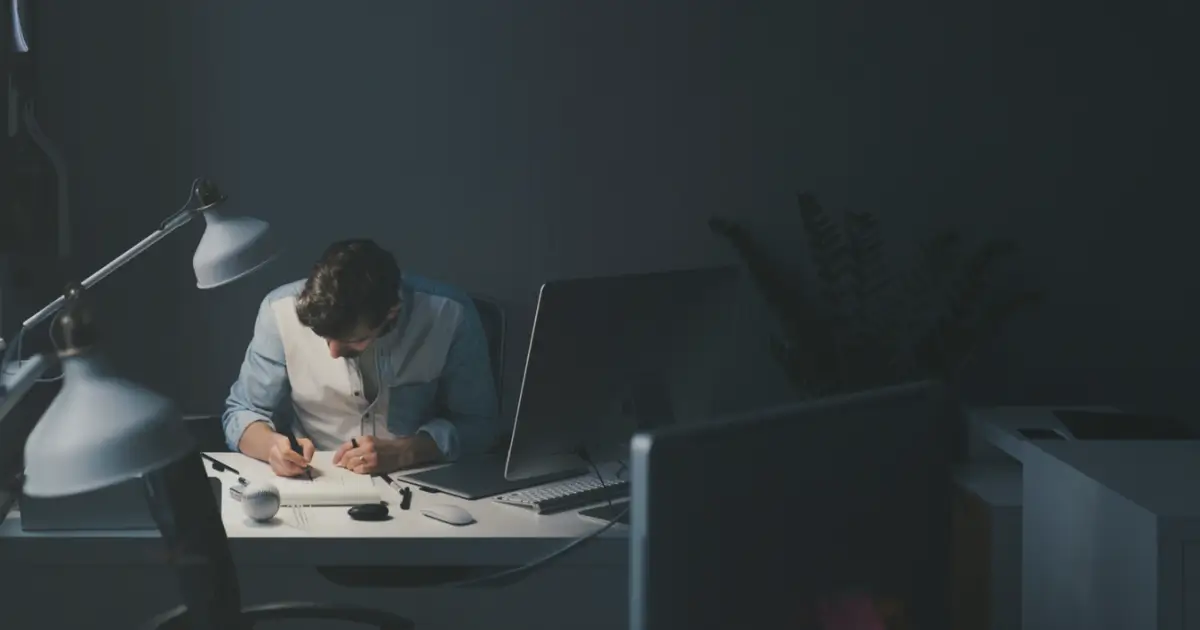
(612, 355)
(777, 518)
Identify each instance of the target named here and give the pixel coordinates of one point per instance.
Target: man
(386, 369)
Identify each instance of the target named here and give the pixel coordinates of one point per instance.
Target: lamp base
(17, 379)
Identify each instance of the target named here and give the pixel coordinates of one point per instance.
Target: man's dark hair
(355, 283)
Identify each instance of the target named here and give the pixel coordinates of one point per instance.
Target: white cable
(54, 344)
(20, 44)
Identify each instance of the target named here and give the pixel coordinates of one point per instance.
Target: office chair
(207, 432)
(491, 315)
(177, 619)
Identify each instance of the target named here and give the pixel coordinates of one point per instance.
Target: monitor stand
(646, 407)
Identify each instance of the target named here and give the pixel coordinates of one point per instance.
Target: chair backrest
(206, 431)
(491, 314)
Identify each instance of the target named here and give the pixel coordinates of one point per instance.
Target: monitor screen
(817, 515)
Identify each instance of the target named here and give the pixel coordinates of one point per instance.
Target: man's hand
(373, 455)
(288, 463)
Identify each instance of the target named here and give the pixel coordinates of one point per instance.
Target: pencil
(299, 451)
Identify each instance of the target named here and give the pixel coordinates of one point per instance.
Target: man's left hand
(374, 455)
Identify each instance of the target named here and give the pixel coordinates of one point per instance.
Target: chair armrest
(176, 619)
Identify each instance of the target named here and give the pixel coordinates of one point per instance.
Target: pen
(299, 451)
(218, 465)
(405, 493)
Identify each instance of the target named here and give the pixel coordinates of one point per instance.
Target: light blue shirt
(433, 370)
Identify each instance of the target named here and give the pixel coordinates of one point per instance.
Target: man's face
(354, 345)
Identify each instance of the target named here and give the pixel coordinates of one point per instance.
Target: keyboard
(566, 495)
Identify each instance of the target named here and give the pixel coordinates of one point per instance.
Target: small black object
(429, 490)
(368, 512)
(406, 499)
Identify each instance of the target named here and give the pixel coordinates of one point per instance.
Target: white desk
(1112, 534)
(276, 562)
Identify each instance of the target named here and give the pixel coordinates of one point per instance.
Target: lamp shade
(99, 431)
(232, 247)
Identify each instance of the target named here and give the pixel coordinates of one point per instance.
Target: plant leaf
(780, 292)
(827, 251)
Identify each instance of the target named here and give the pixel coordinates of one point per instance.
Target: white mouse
(447, 513)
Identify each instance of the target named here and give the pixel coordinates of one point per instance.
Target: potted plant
(864, 323)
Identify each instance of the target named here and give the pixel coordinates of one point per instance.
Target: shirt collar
(402, 319)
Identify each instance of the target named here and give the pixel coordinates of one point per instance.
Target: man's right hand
(288, 463)
(261, 442)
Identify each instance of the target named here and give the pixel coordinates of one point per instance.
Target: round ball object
(260, 501)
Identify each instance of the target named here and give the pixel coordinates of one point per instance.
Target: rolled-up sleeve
(469, 420)
(262, 384)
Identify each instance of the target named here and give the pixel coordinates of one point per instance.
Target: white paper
(331, 485)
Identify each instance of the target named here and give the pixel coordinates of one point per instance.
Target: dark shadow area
(1092, 425)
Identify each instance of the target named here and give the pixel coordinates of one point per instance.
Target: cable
(57, 350)
(583, 454)
(60, 170)
(529, 567)
(536, 564)
(18, 348)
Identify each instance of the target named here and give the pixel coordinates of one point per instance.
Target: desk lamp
(102, 430)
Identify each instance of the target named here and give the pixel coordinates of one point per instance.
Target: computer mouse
(368, 512)
(451, 514)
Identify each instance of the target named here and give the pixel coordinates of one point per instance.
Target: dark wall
(498, 144)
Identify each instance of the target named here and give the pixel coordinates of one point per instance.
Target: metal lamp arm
(209, 197)
(177, 221)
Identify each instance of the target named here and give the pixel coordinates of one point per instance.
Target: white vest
(328, 394)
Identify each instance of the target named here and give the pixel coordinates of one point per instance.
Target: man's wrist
(414, 450)
(427, 448)
(256, 439)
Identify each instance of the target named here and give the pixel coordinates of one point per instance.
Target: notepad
(331, 485)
